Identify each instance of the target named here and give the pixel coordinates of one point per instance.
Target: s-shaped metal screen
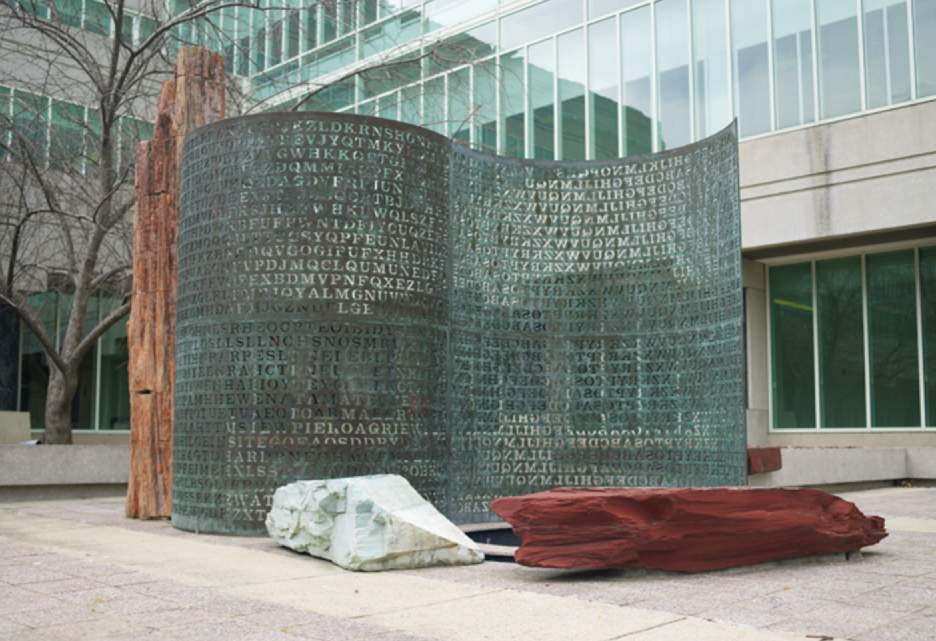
(357, 295)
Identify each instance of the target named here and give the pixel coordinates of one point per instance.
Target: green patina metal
(358, 296)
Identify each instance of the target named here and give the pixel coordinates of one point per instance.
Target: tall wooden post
(194, 97)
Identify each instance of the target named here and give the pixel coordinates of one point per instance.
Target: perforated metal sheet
(358, 295)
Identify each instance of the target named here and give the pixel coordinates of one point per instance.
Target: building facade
(836, 108)
(45, 110)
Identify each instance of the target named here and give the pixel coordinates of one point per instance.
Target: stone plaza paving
(77, 570)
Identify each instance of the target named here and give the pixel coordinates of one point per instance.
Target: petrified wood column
(194, 97)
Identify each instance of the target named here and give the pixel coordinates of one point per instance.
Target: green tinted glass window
(310, 40)
(332, 97)
(368, 11)
(924, 44)
(793, 60)
(887, 52)
(459, 105)
(30, 122)
(636, 61)
(293, 36)
(68, 12)
(434, 104)
(67, 136)
(791, 325)
(114, 407)
(460, 49)
(539, 20)
(97, 17)
(387, 106)
(841, 342)
(892, 335)
(126, 28)
(92, 142)
(512, 107)
(368, 108)
(839, 72)
(603, 81)
(928, 306)
(4, 119)
(147, 28)
(329, 21)
(409, 105)
(485, 90)
(379, 80)
(541, 73)
(710, 66)
(750, 64)
(572, 95)
(276, 43)
(672, 45)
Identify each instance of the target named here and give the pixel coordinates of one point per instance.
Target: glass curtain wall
(924, 42)
(751, 65)
(672, 59)
(794, 97)
(886, 52)
(637, 84)
(512, 67)
(541, 76)
(102, 401)
(853, 342)
(928, 318)
(572, 79)
(710, 66)
(839, 68)
(571, 82)
(791, 323)
(603, 75)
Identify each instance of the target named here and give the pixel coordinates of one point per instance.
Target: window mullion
(654, 116)
(771, 88)
(618, 52)
(919, 325)
(912, 47)
(527, 111)
(771, 382)
(97, 370)
(691, 69)
(862, 84)
(866, 340)
(814, 38)
(815, 333)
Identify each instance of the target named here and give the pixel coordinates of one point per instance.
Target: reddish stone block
(682, 530)
(763, 459)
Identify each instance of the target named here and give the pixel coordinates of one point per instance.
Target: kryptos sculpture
(358, 295)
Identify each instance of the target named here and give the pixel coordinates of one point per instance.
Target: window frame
(863, 252)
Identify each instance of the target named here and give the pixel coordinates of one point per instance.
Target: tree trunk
(59, 395)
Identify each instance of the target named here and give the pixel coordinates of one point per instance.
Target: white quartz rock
(367, 523)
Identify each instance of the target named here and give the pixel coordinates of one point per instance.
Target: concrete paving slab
(97, 629)
(908, 524)
(145, 580)
(512, 615)
(354, 594)
(841, 620)
(701, 630)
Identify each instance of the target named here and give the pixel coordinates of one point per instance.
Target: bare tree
(66, 189)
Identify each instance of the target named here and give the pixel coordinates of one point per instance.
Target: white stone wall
(869, 173)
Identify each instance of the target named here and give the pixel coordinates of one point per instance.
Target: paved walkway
(78, 571)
